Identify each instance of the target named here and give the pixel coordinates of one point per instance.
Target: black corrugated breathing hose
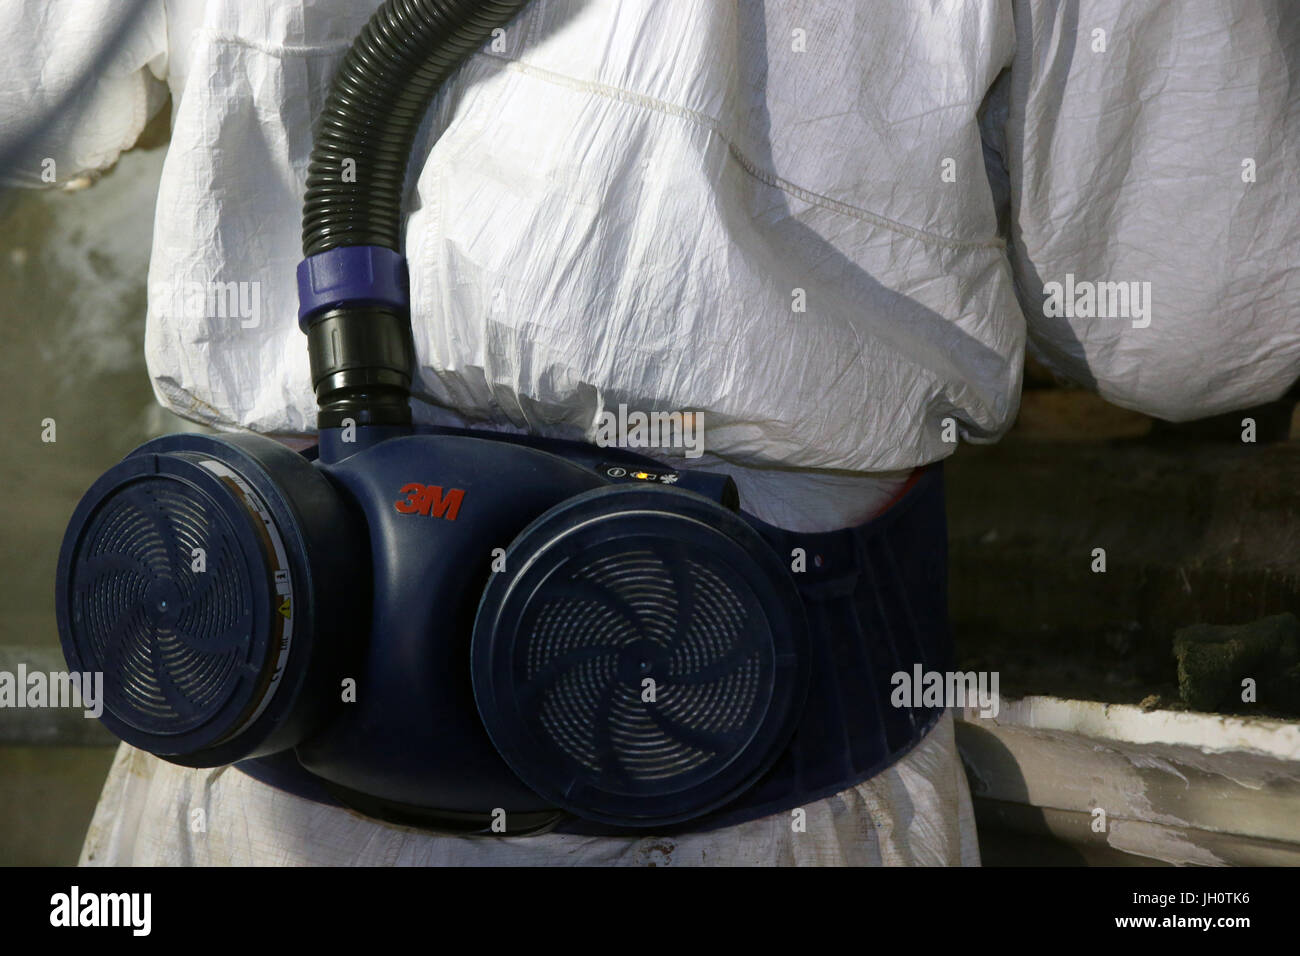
(361, 351)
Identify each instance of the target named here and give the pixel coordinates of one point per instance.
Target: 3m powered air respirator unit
(453, 628)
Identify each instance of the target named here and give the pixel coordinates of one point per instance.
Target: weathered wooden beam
(1173, 786)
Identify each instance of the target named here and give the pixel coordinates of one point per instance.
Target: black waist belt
(876, 601)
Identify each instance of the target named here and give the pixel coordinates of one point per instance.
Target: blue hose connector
(352, 275)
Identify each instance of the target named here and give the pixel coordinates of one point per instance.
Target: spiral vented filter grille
(174, 583)
(169, 640)
(616, 621)
(640, 663)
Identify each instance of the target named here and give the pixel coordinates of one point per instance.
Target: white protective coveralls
(827, 225)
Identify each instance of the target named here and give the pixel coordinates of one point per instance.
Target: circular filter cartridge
(183, 579)
(641, 661)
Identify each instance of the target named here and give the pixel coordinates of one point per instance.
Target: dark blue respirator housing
(471, 630)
